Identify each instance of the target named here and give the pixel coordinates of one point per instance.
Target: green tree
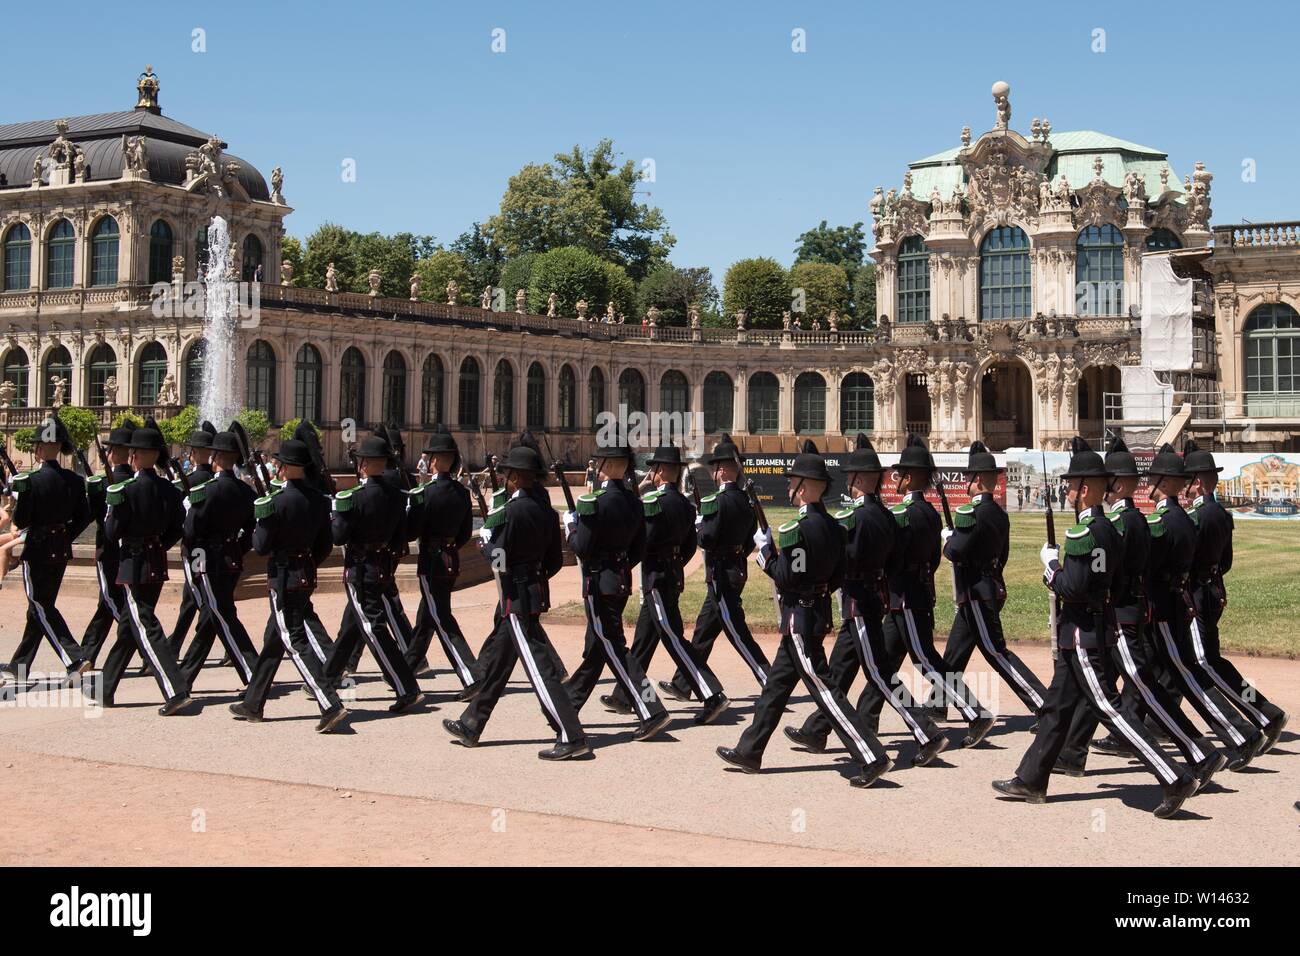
(81, 423)
(517, 274)
(176, 430)
(355, 254)
(255, 423)
(675, 290)
(843, 246)
(621, 290)
(585, 199)
(291, 252)
(437, 270)
(127, 417)
(572, 274)
(864, 296)
(825, 287)
(758, 286)
(482, 256)
(330, 243)
(291, 426)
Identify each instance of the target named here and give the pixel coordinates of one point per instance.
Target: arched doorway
(916, 407)
(1006, 406)
(1090, 403)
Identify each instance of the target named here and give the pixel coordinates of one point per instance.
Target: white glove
(763, 538)
(699, 522)
(1048, 554)
(485, 535)
(570, 522)
(945, 534)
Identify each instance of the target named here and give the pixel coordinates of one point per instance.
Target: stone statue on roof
(147, 89)
(1002, 98)
(277, 183)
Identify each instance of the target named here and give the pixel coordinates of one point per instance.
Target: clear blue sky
(752, 142)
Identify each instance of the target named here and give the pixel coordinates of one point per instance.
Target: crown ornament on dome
(147, 91)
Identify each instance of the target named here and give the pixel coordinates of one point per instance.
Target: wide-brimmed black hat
(374, 446)
(60, 436)
(1167, 463)
(724, 450)
(440, 441)
(201, 437)
(121, 435)
(293, 452)
(608, 449)
(915, 454)
(809, 464)
(228, 442)
(394, 437)
(1084, 462)
(523, 458)
(148, 437)
(863, 457)
(665, 455)
(1120, 461)
(1197, 459)
(980, 459)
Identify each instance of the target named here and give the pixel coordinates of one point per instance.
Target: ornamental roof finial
(147, 88)
(1002, 97)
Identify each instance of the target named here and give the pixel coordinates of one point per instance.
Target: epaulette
(650, 503)
(278, 484)
(1193, 513)
(343, 500)
(418, 491)
(264, 506)
(117, 492)
(587, 503)
(900, 514)
(496, 517)
(199, 492)
(848, 518)
(1086, 519)
(709, 504)
(1156, 524)
(95, 485)
(22, 481)
(499, 499)
(788, 534)
(176, 483)
(1078, 540)
(965, 517)
(1117, 519)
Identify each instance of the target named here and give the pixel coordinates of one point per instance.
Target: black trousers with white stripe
(606, 646)
(139, 630)
(365, 621)
(1174, 642)
(191, 604)
(108, 612)
(41, 584)
(1245, 696)
(722, 611)
(909, 632)
(1143, 696)
(286, 630)
(1085, 677)
(219, 620)
(520, 638)
(978, 624)
(661, 619)
(798, 659)
(434, 617)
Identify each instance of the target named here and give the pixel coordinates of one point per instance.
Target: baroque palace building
(1009, 291)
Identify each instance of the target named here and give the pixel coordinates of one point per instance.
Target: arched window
(17, 259)
(103, 252)
(15, 370)
(719, 403)
(913, 280)
(503, 396)
(352, 386)
(60, 256)
(810, 404)
(259, 392)
(1005, 275)
(1099, 271)
(631, 390)
(192, 386)
(101, 363)
(431, 391)
(595, 396)
(857, 403)
(1161, 239)
(393, 411)
(674, 393)
(764, 412)
(252, 257)
(568, 398)
(467, 389)
(151, 369)
(308, 369)
(1272, 355)
(201, 249)
(160, 252)
(535, 397)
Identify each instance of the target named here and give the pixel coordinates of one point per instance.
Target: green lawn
(1263, 589)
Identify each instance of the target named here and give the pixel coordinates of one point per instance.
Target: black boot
(736, 760)
(1015, 787)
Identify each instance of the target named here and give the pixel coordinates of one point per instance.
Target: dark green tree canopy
(572, 274)
(758, 286)
(674, 290)
(354, 254)
(842, 246)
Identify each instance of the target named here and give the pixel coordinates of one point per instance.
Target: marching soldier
(442, 519)
(50, 505)
(1081, 582)
(200, 455)
(219, 532)
(370, 522)
(1132, 654)
(909, 626)
(872, 553)
(670, 545)
(519, 540)
(112, 604)
(145, 518)
(1173, 550)
(400, 477)
(726, 527)
(293, 531)
(607, 534)
(806, 569)
(978, 547)
(316, 475)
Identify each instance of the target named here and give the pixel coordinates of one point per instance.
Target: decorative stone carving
(965, 137)
(277, 184)
(1000, 193)
(453, 292)
(1002, 99)
(652, 316)
(146, 88)
(331, 279)
(374, 278)
(178, 269)
(740, 320)
(521, 301)
(833, 320)
(485, 298)
(695, 317)
(1135, 188)
(1198, 197)
(552, 302)
(206, 168)
(135, 157)
(582, 308)
(60, 390)
(415, 286)
(8, 392)
(168, 394)
(110, 391)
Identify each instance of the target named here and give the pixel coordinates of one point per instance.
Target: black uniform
(808, 568)
(441, 518)
(112, 603)
(670, 544)
(372, 529)
(219, 532)
(726, 532)
(978, 549)
(51, 507)
(295, 537)
(191, 598)
(145, 518)
(524, 540)
(608, 537)
(873, 552)
(400, 624)
(1081, 581)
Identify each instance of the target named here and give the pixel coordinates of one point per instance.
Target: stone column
(833, 379)
(740, 404)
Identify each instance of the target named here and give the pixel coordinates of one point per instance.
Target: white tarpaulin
(1145, 397)
(1166, 315)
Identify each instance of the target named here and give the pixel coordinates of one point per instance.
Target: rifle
(947, 523)
(694, 487)
(103, 457)
(8, 463)
(81, 457)
(241, 436)
(558, 471)
(1051, 540)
